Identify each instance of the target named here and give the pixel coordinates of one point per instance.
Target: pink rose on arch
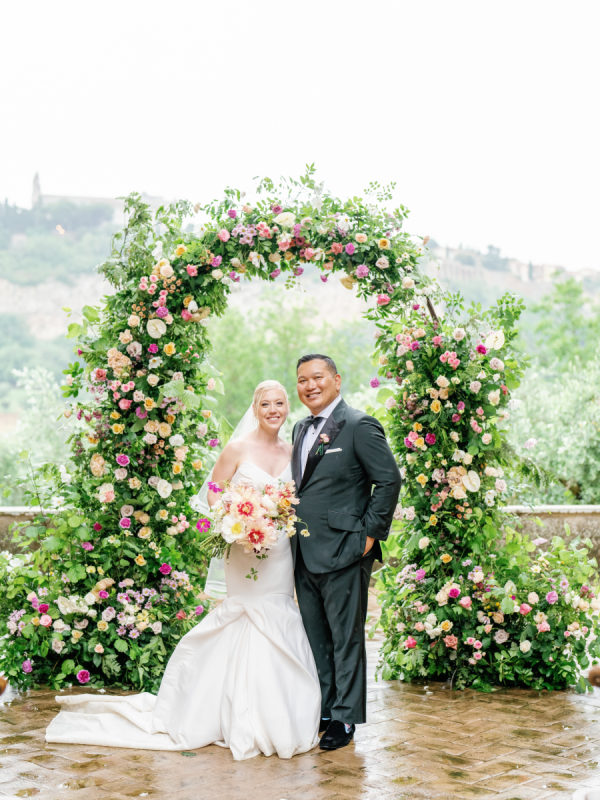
(455, 417)
(420, 575)
(383, 299)
(524, 608)
(185, 315)
(122, 460)
(465, 601)
(124, 404)
(216, 262)
(83, 676)
(460, 406)
(232, 213)
(213, 442)
(224, 235)
(87, 546)
(410, 643)
(192, 270)
(43, 607)
(451, 642)
(430, 438)
(481, 348)
(125, 523)
(46, 620)
(199, 610)
(350, 249)
(162, 312)
(437, 341)
(362, 271)
(374, 383)
(543, 627)
(100, 374)
(552, 597)
(275, 274)
(103, 594)
(454, 592)
(27, 665)
(181, 614)
(165, 569)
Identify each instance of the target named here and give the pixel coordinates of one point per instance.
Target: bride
(244, 677)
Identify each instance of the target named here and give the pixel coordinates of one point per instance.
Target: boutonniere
(324, 439)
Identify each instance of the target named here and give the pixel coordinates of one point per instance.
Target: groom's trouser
(334, 610)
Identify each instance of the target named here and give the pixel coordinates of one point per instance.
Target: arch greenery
(112, 580)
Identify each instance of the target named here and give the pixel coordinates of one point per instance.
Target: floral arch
(113, 583)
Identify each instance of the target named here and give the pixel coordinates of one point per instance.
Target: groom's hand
(368, 544)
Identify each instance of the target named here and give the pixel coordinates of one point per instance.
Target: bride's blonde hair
(265, 386)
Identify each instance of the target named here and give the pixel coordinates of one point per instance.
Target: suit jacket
(349, 489)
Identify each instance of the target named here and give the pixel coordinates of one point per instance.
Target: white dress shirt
(312, 433)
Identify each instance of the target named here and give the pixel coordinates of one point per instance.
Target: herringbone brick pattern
(420, 742)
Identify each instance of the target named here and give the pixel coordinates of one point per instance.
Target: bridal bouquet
(249, 517)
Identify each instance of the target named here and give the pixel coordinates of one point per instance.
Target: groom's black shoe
(336, 736)
(324, 724)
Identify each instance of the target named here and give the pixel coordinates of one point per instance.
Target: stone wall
(545, 521)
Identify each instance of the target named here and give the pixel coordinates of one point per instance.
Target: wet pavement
(420, 742)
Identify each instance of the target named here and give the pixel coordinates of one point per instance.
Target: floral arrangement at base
(470, 600)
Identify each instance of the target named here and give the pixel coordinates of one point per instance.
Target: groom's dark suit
(348, 491)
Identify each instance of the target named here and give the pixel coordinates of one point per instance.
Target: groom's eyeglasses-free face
(317, 385)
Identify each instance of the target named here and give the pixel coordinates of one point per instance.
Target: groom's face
(317, 385)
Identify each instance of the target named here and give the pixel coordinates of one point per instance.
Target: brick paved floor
(420, 742)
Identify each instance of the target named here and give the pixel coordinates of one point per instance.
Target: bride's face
(271, 410)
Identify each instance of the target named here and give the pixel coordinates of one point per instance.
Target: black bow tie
(315, 421)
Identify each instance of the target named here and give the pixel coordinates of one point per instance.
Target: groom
(348, 483)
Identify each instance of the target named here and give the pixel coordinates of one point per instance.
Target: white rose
(156, 627)
(423, 542)
(217, 274)
(286, 219)
(150, 438)
(442, 381)
(164, 488)
(454, 436)
(497, 365)
(408, 283)
(474, 386)
(201, 430)
(166, 271)
(490, 497)
(492, 472)
(390, 403)
(133, 320)
(383, 263)
(152, 379)
(495, 340)
(459, 334)
(486, 438)
(500, 485)
(525, 646)
(471, 481)
(494, 397)
(595, 603)
(477, 576)
(533, 598)
(458, 493)
(156, 328)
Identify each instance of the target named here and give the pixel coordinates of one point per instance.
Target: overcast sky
(485, 114)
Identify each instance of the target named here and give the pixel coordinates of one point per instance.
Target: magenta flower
(374, 382)
(416, 307)
(454, 592)
(552, 597)
(43, 607)
(362, 271)
(165, 568)
(455, 417)
(324, 278)
(27, 665)
(349, 249)
(408, 443)
(153, 348)
(460, 406)
(96, 526)
(299, 271)
(141, 413)
(103, 594)
(213, 442)
(232, 213)
(214, 487)
(122, 460)
(216, 262)
(410, 643)
(420, 575)
(430, 438)
(203, 524)
(87, 546)
(275, 273)
(199, 610)
(481, 348)
(414, 345)
(437, 341)
(276, 209)
(83, 676)
(125, 522)
(162, 311)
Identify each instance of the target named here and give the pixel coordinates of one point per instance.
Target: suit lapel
(332, 427)
(297, 452)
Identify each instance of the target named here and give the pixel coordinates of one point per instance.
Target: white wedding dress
(243, 678)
